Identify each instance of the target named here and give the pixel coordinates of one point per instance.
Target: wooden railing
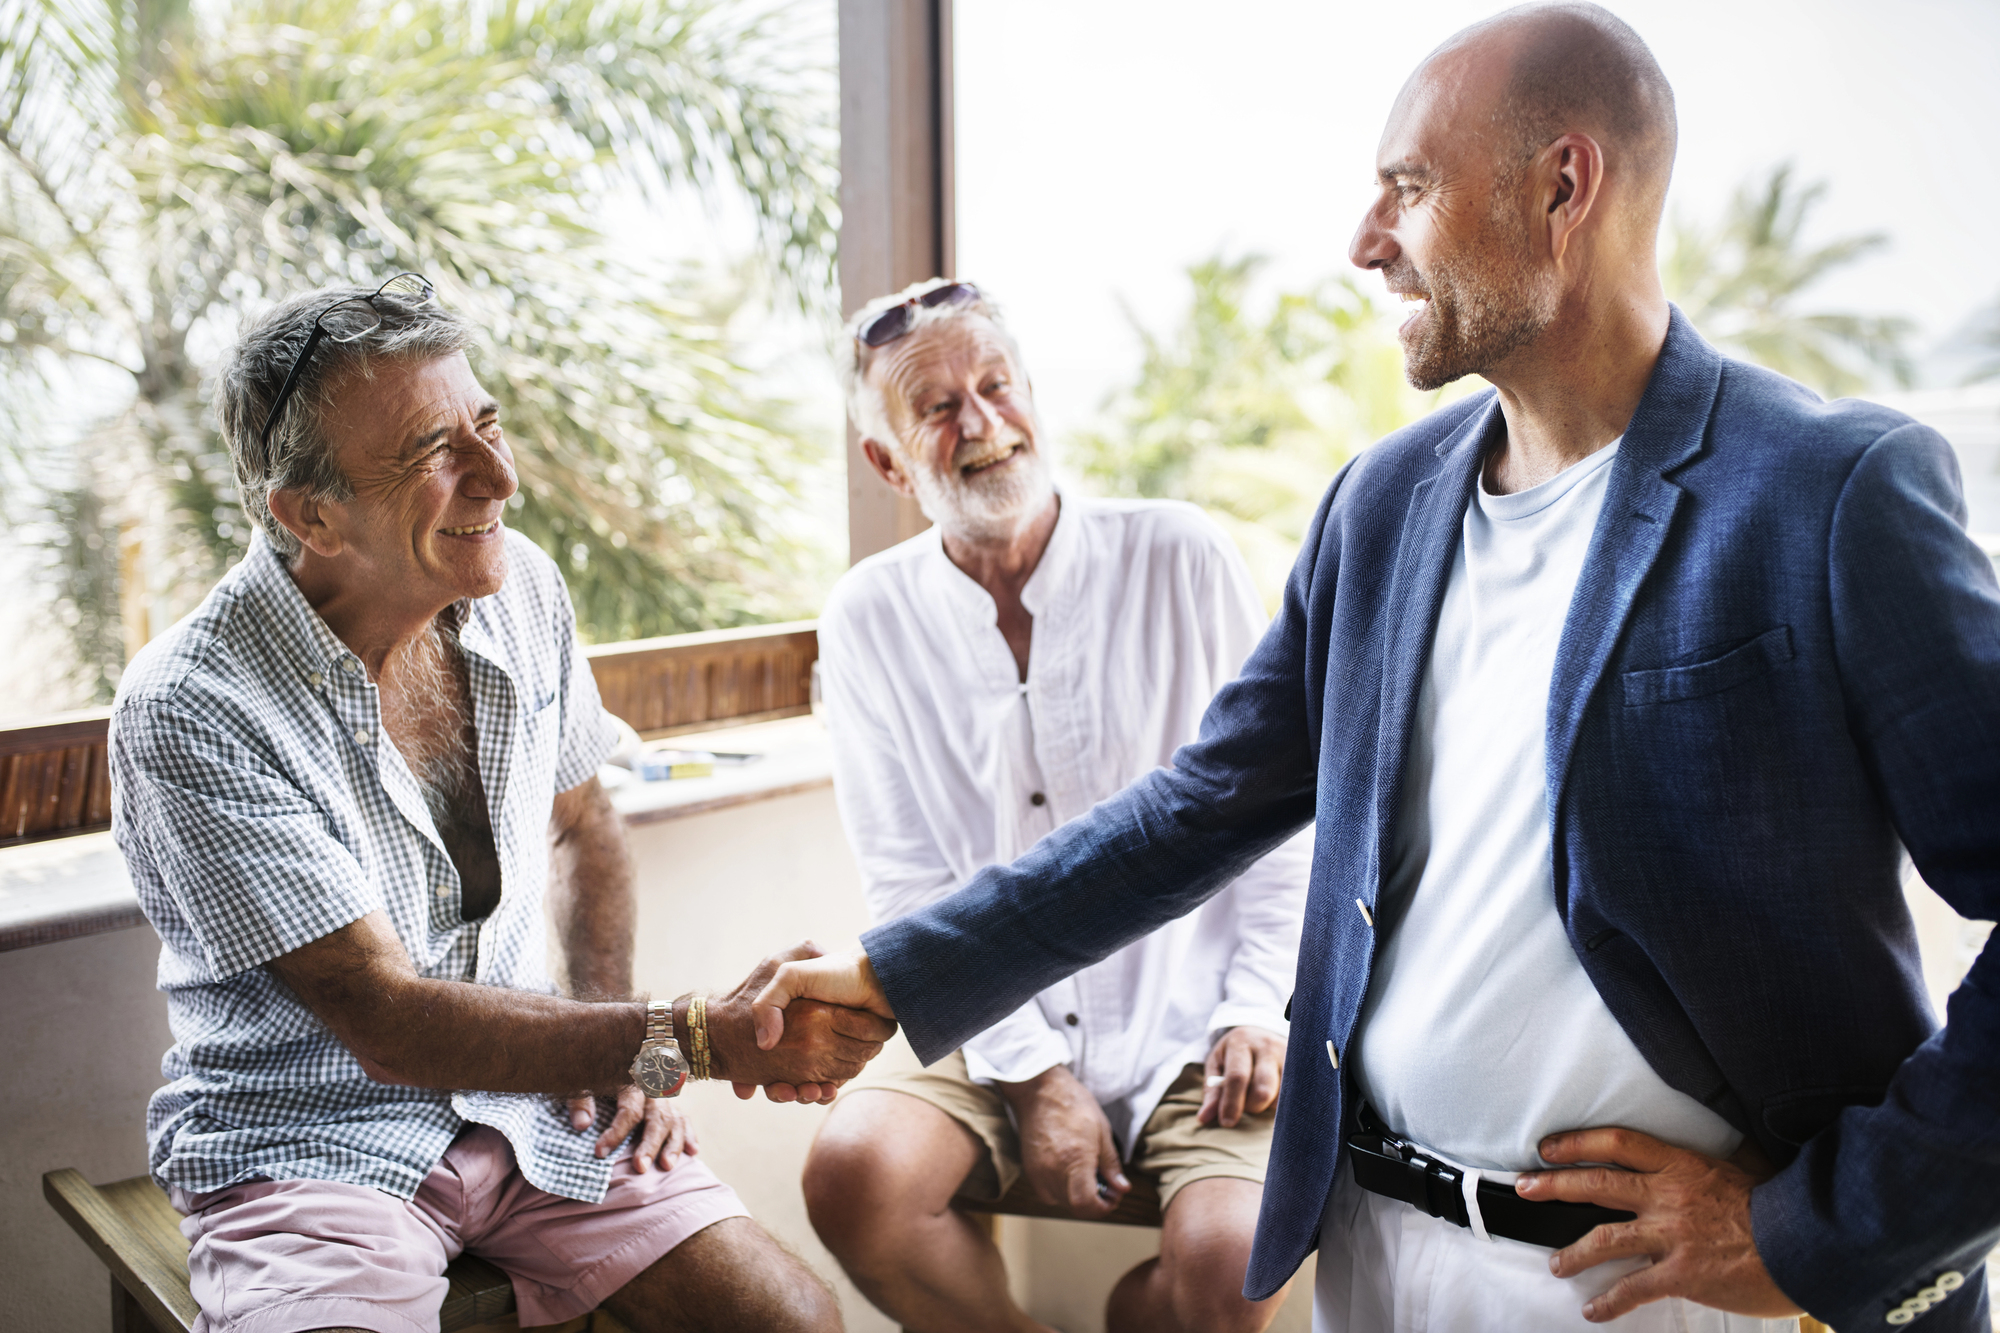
(54, 781)
(689, 681)
(53, 778)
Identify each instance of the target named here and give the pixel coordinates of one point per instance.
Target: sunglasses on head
(894, 322)
(345, 322)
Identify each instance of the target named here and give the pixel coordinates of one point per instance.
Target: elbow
(374, 1029)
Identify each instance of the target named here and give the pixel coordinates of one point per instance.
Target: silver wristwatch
(659, 1069)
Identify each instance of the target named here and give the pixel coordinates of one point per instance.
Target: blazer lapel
(1416, 591)
(1640, 502)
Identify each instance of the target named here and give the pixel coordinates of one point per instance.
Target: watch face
(659, 1070)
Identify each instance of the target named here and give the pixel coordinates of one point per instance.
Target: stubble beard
(987, 506)
(1485, 302)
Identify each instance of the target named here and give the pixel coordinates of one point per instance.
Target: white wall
(81, 1034)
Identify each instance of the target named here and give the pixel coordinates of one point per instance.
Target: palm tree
(166, 174)
(1741, 282)
(1249, 413)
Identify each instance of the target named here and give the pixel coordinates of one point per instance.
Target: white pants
(1384, 1267)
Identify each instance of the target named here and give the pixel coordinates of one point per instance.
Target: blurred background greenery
(170, 172)
(562, 169)
(1248, 408)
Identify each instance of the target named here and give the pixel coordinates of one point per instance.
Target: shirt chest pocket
(541, 724)
(1741, 664)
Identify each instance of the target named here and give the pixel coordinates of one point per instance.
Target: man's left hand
(666, 1138)
(1250, 1063)
(1693, 1222)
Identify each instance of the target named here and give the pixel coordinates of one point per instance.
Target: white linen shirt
(946, 762)
(260, 806)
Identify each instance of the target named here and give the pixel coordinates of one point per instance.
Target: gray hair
(865, 407)
(300, 457)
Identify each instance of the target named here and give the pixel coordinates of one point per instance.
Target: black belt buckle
(1386, 1165)
(1389, 1166)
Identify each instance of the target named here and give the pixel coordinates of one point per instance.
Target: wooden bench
(136, 1232)
(1139, 1208)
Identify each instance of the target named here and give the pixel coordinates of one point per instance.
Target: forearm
(592, 896)
(1154, 852)
(460, 1036)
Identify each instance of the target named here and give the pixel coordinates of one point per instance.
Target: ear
(306, 519)
(888, 468)
(1572, 174)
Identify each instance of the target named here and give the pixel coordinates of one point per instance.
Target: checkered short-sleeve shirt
(260, 806)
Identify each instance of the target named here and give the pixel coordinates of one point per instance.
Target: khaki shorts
(1172, 1146)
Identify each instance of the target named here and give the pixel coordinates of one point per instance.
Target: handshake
(800, 1025)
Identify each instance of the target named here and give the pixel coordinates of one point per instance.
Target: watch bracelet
(697, 1021)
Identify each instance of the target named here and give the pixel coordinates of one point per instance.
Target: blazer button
(1366, 915)
(1070, 1019)
(1038, 799)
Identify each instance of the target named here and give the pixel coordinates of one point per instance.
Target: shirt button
(361, 736)
(350, 666)
(314, 679)
(443, 891)
(1038, 799)
(1070, 1019)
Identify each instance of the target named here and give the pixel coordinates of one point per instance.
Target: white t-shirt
(1481, 1033)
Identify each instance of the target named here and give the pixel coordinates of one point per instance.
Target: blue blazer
(1780, 669)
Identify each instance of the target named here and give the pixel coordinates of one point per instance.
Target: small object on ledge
(661, 765)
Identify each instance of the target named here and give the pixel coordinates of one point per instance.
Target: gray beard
(979, 510)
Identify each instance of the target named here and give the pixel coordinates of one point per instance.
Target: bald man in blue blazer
(1618, 693)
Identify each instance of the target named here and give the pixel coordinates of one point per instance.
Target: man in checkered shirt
(346, 787)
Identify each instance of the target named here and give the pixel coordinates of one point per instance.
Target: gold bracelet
(697, 1017)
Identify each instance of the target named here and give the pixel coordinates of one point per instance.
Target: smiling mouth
(992, 460)
(479, 530)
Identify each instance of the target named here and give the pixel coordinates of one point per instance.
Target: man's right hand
(1067, 1151)
(820, 1045)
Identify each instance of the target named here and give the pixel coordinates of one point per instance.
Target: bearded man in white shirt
(1023, 659)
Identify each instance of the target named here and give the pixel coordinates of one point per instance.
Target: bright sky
(1104, 146)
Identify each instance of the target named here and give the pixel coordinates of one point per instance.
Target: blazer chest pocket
(1767, 652)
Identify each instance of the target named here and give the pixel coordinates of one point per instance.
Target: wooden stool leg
(127, 1315)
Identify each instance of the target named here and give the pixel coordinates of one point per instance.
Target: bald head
(1575, 68)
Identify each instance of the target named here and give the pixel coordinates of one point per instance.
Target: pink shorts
(287, 1255)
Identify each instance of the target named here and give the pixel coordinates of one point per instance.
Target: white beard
(985, 506)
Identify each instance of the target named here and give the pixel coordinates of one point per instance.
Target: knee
(847, 1191)
(803, 1304)
(1209, 1296)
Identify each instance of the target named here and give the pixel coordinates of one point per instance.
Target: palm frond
(209, 168)
(1741, 281)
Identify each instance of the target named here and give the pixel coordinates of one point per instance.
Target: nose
(977, 419)
(490, 473)
(1372, 247)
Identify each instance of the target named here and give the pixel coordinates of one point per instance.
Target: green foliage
(1741, 281)
(164, 178)
(1249, 413)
